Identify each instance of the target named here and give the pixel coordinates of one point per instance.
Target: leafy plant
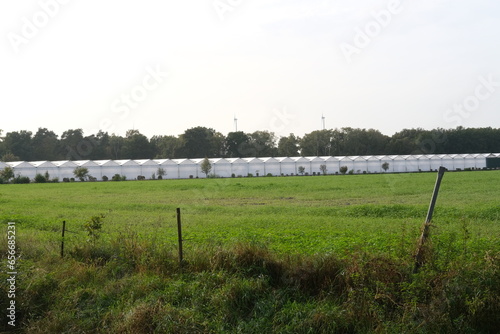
(39, 178)
(301, 170)
(93, 227)
(343, 170)
(7, 173)
(385, 166)
(323, 169)
(81, 173)
(206, 166)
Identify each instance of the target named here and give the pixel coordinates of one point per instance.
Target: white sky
(276, 65)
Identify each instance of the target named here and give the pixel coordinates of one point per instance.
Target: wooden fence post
(62, 240)
(419, 256)
(179, 235)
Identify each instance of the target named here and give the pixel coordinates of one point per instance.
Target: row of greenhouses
(235, 167)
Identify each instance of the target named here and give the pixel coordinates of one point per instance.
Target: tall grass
(130, 284)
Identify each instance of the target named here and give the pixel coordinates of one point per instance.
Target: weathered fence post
(179, 234)
(419, 256)
(62, 240)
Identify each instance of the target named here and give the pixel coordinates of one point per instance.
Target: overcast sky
(164, 66)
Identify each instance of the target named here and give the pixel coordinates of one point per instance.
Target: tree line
(199, 142)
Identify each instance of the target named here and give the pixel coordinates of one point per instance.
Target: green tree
(161, 172)
(10, 157)
(7, 173)
(301, 170)
(45, 145)
(115, 146)
(71, 145)
(385, 166)
(137, 146)
(165, 147)
(316, 143)
(19, 144)
(237, 144)
(288, 146)
(262, 144)
(323, 169)
(343, 170)
(81, 173)
(206, 166)
(200, 141)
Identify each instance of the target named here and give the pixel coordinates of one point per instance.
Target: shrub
(55, 180)
(105, 178)
(72, 179)
(116, 177)
(250, 175)
(21, 179)
(351, 172)
(141, 177)
(65, 179)
(233, 175)
(343, 170)
(269, 174)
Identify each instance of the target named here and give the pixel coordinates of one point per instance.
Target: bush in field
(343, 170)
(105, 178)
(351, 172)
(323, 169)
(21, 179)
(39, 178)
(81, 173)
(7, 173)
(93, 227)
(118, 177)
(301, 170)
(385, 166)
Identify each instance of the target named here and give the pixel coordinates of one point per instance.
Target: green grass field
(297, 224)
(376, 213)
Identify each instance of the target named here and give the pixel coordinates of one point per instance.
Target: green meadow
(312, 254)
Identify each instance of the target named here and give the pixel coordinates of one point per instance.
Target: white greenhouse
(227, 167)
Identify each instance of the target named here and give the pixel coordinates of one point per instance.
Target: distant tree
(385, 166)
(81, 173)
(201, 141)
(206, 166)
(262, 144)
(343, 170)
(137, 146)
(71, 145)
(45, 145)
(301, 170)
(237, 144)
(288, 146)
(115, 146)
(323, 169)
(161, 172)
(19, 144)
(7, 173)
(165, 147)
(316, 143)
(9, 157)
